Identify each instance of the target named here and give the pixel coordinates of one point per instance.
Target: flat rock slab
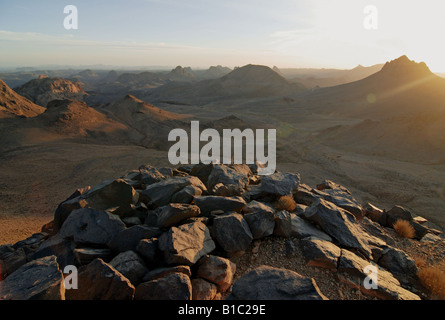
(173, 213)
(90, 226)
(268, 283)
(186, 244)
(226, 204)
(40, 279)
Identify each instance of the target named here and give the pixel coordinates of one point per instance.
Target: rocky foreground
(163, 233)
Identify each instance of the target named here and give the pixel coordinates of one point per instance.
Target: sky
(202, 33)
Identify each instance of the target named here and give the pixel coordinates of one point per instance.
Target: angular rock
(62, 249)
(398, 263)
(149, 175)
(283, 224)
(11, 260)
(111, 194)
(130, 265)
(85, 256)
(162, 272)
(374, 213)
(300, 228)
(330, 185)
(304, 196)
(149, 250)
(187, 194)
(339, 224)
(173, 213)
(343, 200)
(100, 281)
(236, 175)
(261, 223)
(268, 283)
(280, 184)
(186, 244)
(226, 204)
(320, 253)
(217, 270)
(232, 232)
(161, 193)
(90, 226)
(128, 239)
(73, 202)
(256, 206)
(351, 270)
(174, 286)
(37, 280)
(203, 290)
(202, 171)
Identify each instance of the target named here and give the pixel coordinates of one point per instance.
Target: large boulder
(357, 273)
(232, 232)
(261, 223)
(172, 214)
(398, 263)
(90, 226)
(301, 228)
(172, 190)
(100, 281)
(40, 279)
(62, 249)
(320, 253)
(268, 283)
(208, 204)
(340, 225)
(130, 265)
(186, 244)
(236, 175)
(217, 270)
(174, 286)
(203, 290)
(279, 184)
(342, 199)
(11, 259)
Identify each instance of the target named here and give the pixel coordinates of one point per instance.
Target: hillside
(45, 89)
(13, 104)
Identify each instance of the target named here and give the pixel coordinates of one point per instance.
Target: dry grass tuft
(404, 229)
(433, 279)
(286, 203)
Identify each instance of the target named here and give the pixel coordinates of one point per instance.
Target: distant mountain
(214, 72)
(45, 89)
(402, 107)
(312, 78)
(180, 74)
(403, 87)
(12, 104)
(248, 82)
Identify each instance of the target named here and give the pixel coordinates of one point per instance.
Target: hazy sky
(199, 33)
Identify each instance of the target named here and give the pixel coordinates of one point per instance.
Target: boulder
(128, 239)
(330, 185)
(62, 249)
(398, 263)
(343, 200)
(91, 226)
(172, 214)
(186, 244)
(304, 196)
(339, 224)
(261, 223)
(352, 270)
(236, 176)
(320, 253)
(232, 232)
(202, 171)
(217, 270)
(174, 286)
(73, 202)
(374, 213)
(149, 250)
(40, 279)
(283, 224)
(226, 204)
(85, 256)
(130, 265)
(268, 283)
(11, 260)
(301, 228)
(100, 281)
(279, 184)
(162, 193)
(203, 290)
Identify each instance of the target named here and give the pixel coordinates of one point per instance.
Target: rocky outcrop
(162, 233)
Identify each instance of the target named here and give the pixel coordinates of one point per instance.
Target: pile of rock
(163, 233)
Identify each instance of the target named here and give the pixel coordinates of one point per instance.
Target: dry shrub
(420, 261)
(433, 279)
(404, 229)
(286, 203)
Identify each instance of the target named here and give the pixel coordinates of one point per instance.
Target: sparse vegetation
(404, 229)
(433, 279)
(286, 203)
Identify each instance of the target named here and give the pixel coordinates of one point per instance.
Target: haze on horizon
(199, 33)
